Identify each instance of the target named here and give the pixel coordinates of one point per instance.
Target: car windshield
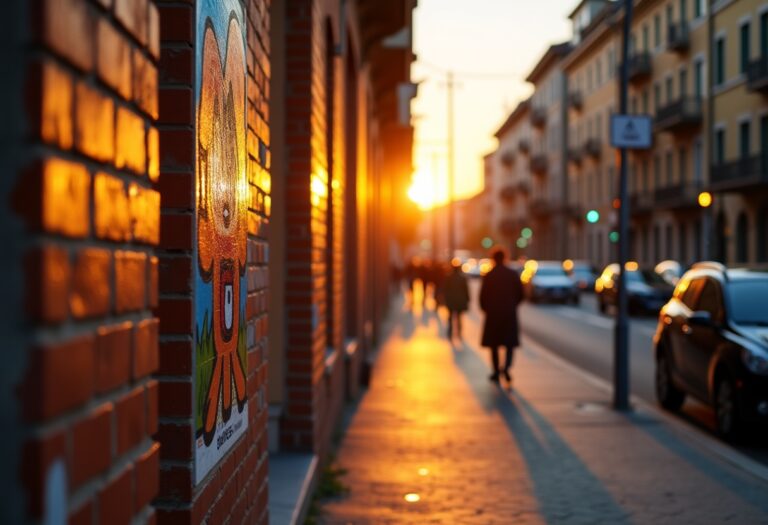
(644, 276)
(749, 301)
(549, 271)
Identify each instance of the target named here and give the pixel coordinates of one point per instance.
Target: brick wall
(236, 487)
(86, 164)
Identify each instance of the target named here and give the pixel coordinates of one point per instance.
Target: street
(584, 337)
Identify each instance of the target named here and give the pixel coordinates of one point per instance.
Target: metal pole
(621, 347)
(451, 173)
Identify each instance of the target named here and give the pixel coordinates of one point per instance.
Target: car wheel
(726, 409)
(669, 396)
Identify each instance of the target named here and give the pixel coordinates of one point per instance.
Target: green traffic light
(593, 216)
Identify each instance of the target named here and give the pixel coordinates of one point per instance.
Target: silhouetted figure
(439, 274)
(456, 298)
(500, 295)
(425, 276)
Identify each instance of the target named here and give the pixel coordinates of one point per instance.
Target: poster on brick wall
(220, 398)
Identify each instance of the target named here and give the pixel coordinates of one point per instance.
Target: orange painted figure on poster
(222, 213)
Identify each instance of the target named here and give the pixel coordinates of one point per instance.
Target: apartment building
(739, 131)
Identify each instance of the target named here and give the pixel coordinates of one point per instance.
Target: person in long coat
(500, 295)
(456, 298)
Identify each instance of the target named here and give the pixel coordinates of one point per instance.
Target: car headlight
(755, 363)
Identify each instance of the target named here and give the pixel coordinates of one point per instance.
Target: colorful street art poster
(221, 410)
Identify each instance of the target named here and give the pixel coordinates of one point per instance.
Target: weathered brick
(130, 281)
(133, 15)
(91, 452)
(64, 198)
(116, 499)
(51, 97)
(130, 412)
(113, 58)
(94, 123)
(177, 23)
(153, 153)
(145, 84)
(153, 31)
(113, 356)
(153, 292)
(147, 477)
(152, 392)
(48, 274)
(145, 352)
(90, 292)
(59, 377)
(176, 65)
(130, 141)
(66, 27)
(145, 214)
(111, 212)
(177, 105)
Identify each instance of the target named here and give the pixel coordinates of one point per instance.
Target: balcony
(539, 164)
(757, 75)
(740, 175)
(593, 148)
(508, 158)
(683, 114)
(678, 37)
(538, 117)
(678, 196)
(575, 155)
(508, 191)
(641, 203)
(640, 66)
(575, 100)
(524, 145)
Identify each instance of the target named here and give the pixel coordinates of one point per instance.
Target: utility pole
(451, 173)
(621, 346)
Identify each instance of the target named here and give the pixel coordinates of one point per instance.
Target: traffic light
(593, 216)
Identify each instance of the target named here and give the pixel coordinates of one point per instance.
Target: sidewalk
(550, 451)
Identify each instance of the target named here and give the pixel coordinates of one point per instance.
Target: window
(744, 142)
(699, 8)
(669, 243)
(669, 168)
(744, 55)
(656, 171)
(656, 243)
(742, 238)
(764, 35)
(719, 151)
(645, 101)
(720, 61)
(599, 72)
(668, 86)
(646, 42)
(697, 162)
(656, 97)
(657, 31)
(683, 82)
(698, 79)
(683, 10)
(682, 242)
(762, 234)
(710, 301)
(683, 165)
(646, 180)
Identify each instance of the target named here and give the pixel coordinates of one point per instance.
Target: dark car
(547, 281)
(646, 290)
(582, 273)
(712, 343)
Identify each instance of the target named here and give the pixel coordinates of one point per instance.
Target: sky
(491, 45)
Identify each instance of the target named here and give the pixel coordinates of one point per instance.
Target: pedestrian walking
(500, 295)
(456, 293)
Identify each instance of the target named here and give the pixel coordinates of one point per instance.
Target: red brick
(153, 30)
(176, 231)
(37, 457)
(176, 24)
(176, 399)
(176, 274)
(114, 58)
(130, 281)
(116, 500)
(154, 284)
(145, 84)
(50, 95)
(145, 353)
(177, 148)
(176, 483)
(48, 274)
(82, 515)
(178, 190)
(66, 27)
(145, 214)
(147, 475)
(111, 211)
(133, 15)
(130, 411)
(176, 104)
(175, 442)
(94, 123)
(90, 293)
(59, 378)
(91, 445)
(54, 197)
(153, 154)
(176, 65)
(152, 391)
(175, 316)
(176, 358)
(113, 356)
(130, 150)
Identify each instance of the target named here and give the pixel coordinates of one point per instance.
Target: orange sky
(501, 37)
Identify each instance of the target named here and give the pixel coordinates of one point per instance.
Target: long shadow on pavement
(567, 491)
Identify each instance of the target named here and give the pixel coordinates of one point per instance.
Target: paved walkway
(550, 451)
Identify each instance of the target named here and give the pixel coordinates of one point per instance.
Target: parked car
(712, 343)
(646, 290)
(582, 273)
(670, 271)
(547, 281)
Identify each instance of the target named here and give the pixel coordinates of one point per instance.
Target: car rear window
(749, 301)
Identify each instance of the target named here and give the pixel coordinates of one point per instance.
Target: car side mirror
(700, 318)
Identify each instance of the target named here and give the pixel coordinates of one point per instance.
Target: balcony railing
(677, 196)
(682, 114)
(539, 164)
(593, 148)
(641, 203)
(740, 175)
(678, 37)
(640, 66)
(538, 117)
(524, 145)
(757, 75)
(575, 100)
